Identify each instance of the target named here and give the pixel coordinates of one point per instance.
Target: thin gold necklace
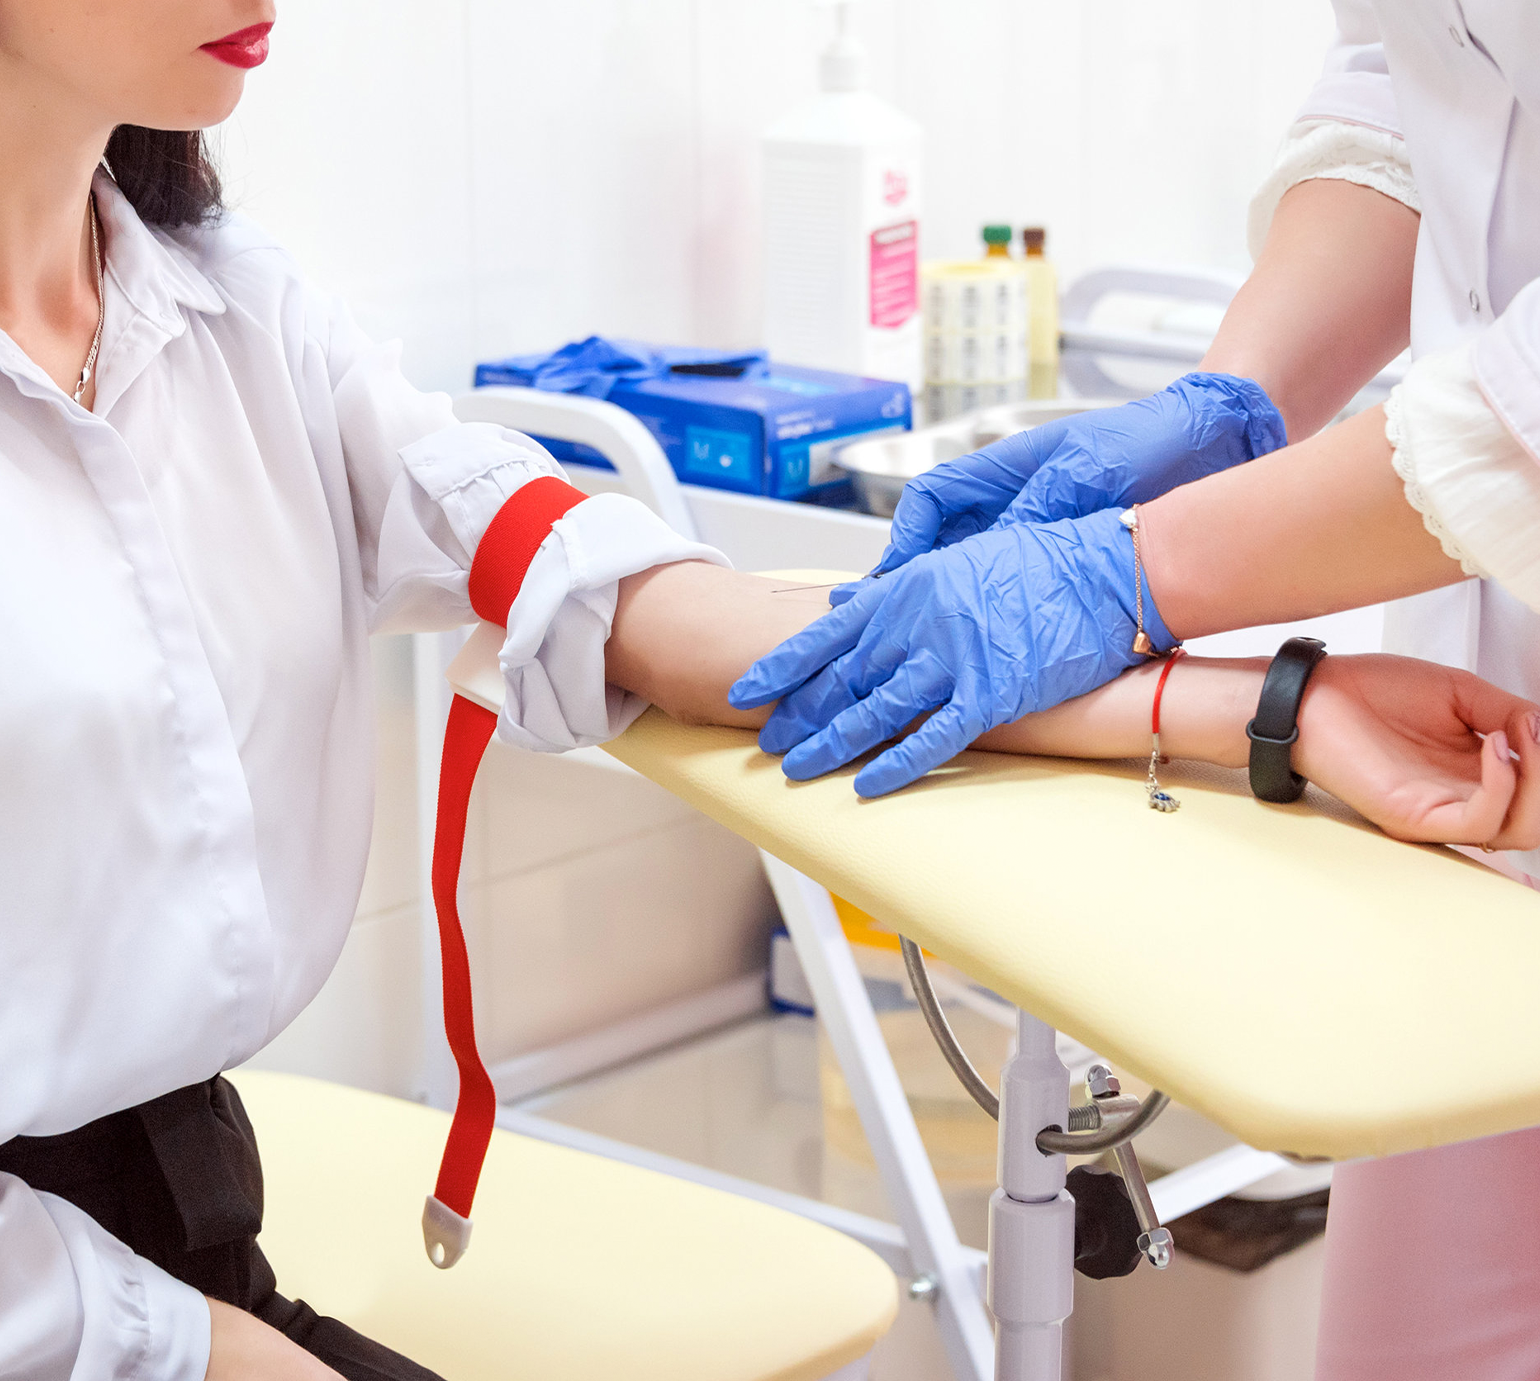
(101, 306)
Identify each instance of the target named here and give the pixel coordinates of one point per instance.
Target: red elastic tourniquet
(497, 574)
(465, 740)
(510, 542)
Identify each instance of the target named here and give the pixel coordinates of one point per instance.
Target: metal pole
(1031, 1215)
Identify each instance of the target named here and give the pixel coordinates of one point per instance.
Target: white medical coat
(1461, 84)
(188, 580)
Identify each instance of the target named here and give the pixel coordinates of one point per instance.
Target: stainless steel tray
(881, 467)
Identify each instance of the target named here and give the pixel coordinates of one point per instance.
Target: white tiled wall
(482, 176)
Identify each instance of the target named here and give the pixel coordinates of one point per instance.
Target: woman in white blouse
(213, 488)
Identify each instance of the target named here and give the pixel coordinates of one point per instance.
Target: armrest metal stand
(946, 1271)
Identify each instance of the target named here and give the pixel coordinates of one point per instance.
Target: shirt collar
(150, 269)
(155, 277)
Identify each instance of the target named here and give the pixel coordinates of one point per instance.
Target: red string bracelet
(1160, 799)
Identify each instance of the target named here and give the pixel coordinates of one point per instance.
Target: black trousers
(178, 1180)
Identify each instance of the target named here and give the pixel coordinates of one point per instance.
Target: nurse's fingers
(916, 525)
(940, 739)
(885, 713)
(804, 654)
(812, 706)
(816, 703)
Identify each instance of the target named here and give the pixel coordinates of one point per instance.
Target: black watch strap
(1276, 727)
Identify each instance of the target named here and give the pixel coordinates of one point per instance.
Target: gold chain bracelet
(1143, 647)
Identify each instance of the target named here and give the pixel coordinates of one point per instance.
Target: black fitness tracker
(1275, 729)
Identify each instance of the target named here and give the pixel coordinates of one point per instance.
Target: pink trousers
(1433, 1266)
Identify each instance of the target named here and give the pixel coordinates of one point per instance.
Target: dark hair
(167, 175)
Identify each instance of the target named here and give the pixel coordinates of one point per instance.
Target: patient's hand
(1397, 739)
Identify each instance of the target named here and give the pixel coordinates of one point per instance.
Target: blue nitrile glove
(1106, 458)
(1008, 621)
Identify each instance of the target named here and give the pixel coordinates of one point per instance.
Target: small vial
(997, 242)
(1043, 309)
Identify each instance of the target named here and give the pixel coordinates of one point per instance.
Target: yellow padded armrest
(1305, 981)
(580, 1269)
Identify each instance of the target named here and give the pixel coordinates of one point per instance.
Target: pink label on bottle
(895, 273)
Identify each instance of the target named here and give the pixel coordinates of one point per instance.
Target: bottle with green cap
(997, 242)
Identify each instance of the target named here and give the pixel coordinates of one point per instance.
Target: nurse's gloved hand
(1106, 458)
(1009, 621)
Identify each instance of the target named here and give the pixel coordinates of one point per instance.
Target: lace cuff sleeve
(1476, 487)
(1332, 149)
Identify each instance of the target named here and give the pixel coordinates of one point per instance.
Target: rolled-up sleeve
(1354, 86)
(553, 658)
(1336, 151)
(1476, 486)
(426, 487)
(1347, 130)
(77, 1305)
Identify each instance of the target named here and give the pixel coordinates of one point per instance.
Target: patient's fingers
(1521, 826)
(1488, 804)
(1488, 710)
(1473, 819)
(940, 739)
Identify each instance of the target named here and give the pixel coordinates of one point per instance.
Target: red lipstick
(248, 48)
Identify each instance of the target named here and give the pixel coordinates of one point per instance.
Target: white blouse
(188, 580)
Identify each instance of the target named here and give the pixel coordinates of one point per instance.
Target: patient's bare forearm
(1203, 715)
(684, 633)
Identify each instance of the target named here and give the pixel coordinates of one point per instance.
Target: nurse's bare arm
(1322, 525)
(1399, 740)
(1328, 304)
(1308, 530)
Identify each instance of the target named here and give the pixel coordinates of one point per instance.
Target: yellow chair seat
(579, 1267)
(1292, 973)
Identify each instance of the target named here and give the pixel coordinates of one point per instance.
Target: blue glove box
(768, 429)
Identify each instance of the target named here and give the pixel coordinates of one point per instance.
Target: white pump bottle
(842, 226)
